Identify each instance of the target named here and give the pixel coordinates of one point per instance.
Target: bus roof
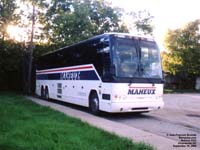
(116, 34)
(149, 38)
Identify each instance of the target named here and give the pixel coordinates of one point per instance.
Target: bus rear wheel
(46, 95)
(94, 104)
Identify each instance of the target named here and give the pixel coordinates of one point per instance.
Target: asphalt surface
(180, 116)
(177, 126)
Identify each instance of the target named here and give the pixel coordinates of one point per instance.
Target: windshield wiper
(130, 82)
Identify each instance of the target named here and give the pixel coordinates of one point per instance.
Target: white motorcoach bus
(112, 72)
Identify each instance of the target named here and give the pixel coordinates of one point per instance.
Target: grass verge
(25, 125)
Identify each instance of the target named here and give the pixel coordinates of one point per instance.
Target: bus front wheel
(94, 104)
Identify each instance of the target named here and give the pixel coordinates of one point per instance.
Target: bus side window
(97, 46)
(103, 55)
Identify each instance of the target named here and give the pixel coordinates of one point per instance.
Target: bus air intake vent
(140, 108)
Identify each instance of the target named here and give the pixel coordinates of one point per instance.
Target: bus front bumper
(135, 106)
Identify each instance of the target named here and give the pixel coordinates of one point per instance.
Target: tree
(28, 55)
(183, 55)
(26, 13)
(142, 21)
(10, 52)
(70, 21)
(7, 16)
(11, 65)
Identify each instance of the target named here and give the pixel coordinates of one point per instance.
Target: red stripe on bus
(142, 87)
(66, 69)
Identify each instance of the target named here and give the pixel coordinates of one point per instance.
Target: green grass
(25, 125)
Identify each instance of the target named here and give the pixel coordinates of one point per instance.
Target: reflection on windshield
(133, 61)
(150, 60)
(125, 58)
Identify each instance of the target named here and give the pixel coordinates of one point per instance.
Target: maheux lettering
(70, 75)
(141, 91)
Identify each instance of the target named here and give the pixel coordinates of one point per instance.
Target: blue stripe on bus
(77, 75)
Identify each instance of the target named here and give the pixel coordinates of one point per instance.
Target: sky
(168, 14)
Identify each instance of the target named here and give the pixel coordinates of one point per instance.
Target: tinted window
(136, 58)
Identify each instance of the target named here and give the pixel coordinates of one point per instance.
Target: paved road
(180, 116)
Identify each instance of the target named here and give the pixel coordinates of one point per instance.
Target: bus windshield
(136, 58)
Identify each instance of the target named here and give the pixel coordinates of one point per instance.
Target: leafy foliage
(74, 20)
(7, 16)
(183, 55)
(11, 55)
(142, 21)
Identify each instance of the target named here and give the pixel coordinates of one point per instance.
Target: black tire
(94, 104)
(46, 96)
(42, 93)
